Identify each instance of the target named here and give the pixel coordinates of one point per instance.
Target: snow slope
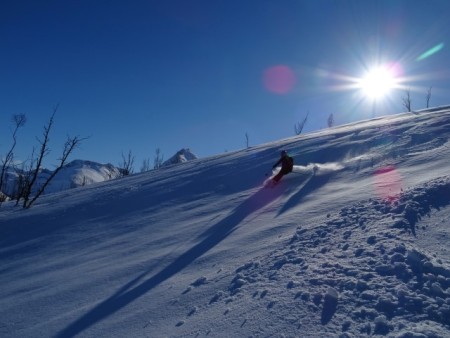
(357, 248)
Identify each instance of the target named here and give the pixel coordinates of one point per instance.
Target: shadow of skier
(208, 239)
(312, 183)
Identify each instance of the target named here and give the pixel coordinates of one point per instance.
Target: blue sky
(140, 75)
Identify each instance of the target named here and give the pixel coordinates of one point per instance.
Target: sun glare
(377, 83)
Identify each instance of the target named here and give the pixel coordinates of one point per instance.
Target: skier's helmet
(283, 153)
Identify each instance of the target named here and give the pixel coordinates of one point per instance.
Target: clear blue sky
(137, 75)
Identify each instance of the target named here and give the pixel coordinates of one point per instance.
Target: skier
(287, 164)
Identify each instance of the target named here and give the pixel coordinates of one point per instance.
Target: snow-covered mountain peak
(183, 155)
(74, 174)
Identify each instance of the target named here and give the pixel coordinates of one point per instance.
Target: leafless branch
(300, 125)
(145, 165)
(69, 146)
(330, 120)
(43, 152)
(158, 160)
(19, 121)
(407, 100)
(127, 164)
(428, 97)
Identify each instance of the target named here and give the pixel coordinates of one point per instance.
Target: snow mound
(80, 173)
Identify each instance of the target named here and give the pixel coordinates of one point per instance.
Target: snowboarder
(287, 164)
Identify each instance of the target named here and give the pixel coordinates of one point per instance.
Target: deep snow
(357, 248)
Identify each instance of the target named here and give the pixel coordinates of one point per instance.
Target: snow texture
(352, 243)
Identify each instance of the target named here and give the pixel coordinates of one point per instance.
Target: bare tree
(35, 165)
(300, 125)
(19, 121)
(25, 174)
(69, 146)
(246, 140)
(44, 151)
(158, 160)
(428, 97)
(330, 120)
(16, 195)
(127, 164)
(145, 165)
(407, 100)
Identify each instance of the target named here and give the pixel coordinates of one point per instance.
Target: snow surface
(357, 248)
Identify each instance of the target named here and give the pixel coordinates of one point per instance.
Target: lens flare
(279, 79)
(388, 183)
(395, 69)
(430, 52)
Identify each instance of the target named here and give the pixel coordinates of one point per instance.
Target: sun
(377, 83)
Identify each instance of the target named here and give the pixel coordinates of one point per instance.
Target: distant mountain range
(79, 173)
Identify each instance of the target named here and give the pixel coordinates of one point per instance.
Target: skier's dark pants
(282, 172)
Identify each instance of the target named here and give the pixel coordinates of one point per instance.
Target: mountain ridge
(79, 173)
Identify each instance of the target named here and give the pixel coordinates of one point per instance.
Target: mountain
(181, 156)
(81, 173)
(74, 174)
(355, 248)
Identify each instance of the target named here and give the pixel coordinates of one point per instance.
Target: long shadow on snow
(311, 184)
(211, 237)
